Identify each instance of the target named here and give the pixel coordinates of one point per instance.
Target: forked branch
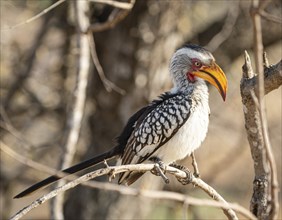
(265, 176)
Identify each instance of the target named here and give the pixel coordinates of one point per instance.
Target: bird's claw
(189, 176)
(160, 169)
(187, 179)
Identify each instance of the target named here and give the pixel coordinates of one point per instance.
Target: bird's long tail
(78, 167)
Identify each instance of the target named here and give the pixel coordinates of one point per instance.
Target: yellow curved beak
(215, 76)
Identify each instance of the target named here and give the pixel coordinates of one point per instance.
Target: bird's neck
(200, 92)
(197, 88)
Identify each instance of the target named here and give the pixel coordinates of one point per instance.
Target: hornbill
(170, 127)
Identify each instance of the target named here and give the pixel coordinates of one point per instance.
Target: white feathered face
(192, 62)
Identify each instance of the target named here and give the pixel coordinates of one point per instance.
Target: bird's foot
(189, 176)
(159, 169)
(195, 165)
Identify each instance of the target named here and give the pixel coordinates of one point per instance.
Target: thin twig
(109, 86)
(35, 165)
(23, 74)
(6, 124)
(116, 4)
(227, 28)
(31, 163)
(18, 135)
(265, 60)
(185, 208)
(270, 17)
(33, 18)
(115, 17)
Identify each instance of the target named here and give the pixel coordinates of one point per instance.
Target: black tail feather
(78, 167)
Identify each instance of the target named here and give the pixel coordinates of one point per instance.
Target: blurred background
(38, 79)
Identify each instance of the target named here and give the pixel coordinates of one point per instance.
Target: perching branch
(131, 191)
(114, 170)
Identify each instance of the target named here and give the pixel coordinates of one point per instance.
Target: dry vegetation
(38, 84)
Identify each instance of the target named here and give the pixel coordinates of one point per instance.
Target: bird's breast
(189, 137)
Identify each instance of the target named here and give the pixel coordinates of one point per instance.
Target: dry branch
(249, 90)
(272, 78)
(115, 17)
(188, 200)
(270, 207)
(113, 170)
(76, 116)
(226, 30)
(33, 18)
(109, 86)
(29, 61)
(116, 4)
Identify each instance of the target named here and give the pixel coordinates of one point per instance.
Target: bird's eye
(197, 64)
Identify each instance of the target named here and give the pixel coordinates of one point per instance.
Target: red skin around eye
(194, 67)
(190, 75)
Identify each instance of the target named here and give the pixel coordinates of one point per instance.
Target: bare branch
(109, 86)
(142, 168)
(249, 93)
(227, 28)
(115, 17)
(126, 190)
(46, 10)
(270, 17)
(256, 7)
(76, 116)
(31, 163)
(6, 124)
(261, 4)
(166, 195)
(272, 79)
(82, 80)
(116, 4)
(29, 61)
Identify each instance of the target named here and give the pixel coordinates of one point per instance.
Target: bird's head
(192, 62)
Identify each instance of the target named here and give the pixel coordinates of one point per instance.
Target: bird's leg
(159, 168)
(189, 175)
(195, 165)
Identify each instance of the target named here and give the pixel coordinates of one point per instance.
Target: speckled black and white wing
(157, 125)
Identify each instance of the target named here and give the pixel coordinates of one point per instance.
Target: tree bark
(260, 204)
